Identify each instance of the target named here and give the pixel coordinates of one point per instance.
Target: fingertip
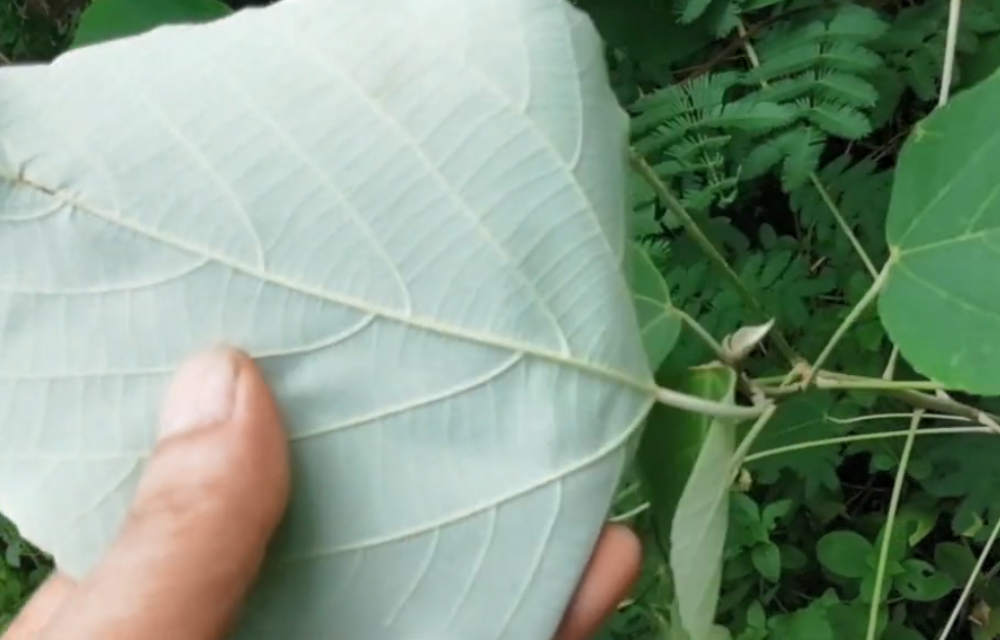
(212, 494)
(613, 569)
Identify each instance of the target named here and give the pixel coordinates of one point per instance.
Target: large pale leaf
(941, 303)
(413, 214)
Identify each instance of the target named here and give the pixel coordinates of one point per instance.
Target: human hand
(212, 495)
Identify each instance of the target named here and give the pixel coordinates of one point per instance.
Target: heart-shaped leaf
(412, 213)
(844, 553)
(940, 302)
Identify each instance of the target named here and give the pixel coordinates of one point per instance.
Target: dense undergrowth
(777, 124)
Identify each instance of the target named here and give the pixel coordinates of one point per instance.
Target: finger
(209, 500)
(44, 603)
(612, 571)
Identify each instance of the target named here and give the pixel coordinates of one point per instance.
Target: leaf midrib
(648, 386)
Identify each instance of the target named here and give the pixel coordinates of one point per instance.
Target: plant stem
(741, 452)
(967, 589)
(861, 437)
(824, 380)
(695, 404)
(890, 367)
(751, 54)
(942, 405)
(902, 391)
(702, 333)
(631, 513)
(671, 202)
(951, 44)
(846, 228)
(883, 556)
(848, 322)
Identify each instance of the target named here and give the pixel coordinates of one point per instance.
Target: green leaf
(811, 622)
(868, 585)
(844, 553)
(775, 511)
(943, 229)
(659, 324)
(110, 19)
(698, 528)
(963, 467)
(983, 63)
(956, 560)
(792, 558)
(420, 243)
(766, 558)
(850, 620)
(896, 631)
(800, 420)
(672, 441)
(921, 582)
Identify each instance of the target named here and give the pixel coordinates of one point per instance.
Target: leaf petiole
(695, 404)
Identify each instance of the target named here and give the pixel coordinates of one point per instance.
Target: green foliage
(22, 569)
(777, 125)
(31, 30)
(110, 19)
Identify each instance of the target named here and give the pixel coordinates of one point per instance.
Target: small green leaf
(111, 19)
(775, 511)
(660, 326)
(983, 63)
(756, 616)
(766, 558)
(956, 560)
(919, 515)
(844, 553)
(792, 558)
(811, 622)
(897, 631)
(850, 620)
(921, 582)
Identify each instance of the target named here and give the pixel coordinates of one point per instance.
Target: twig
(967, 589)
(848, 322)
(671, 202)
(751, 53)
(883, 556)
(736, 463)
(695, 404)
(951, 44)
(862, 437)
(842, 222)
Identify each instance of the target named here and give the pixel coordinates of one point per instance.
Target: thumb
(211, 496)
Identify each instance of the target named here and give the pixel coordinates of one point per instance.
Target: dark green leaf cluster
(777, 124)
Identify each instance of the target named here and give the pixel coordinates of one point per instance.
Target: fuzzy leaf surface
(412, 214)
